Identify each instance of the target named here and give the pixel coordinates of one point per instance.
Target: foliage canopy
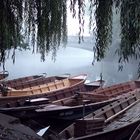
(40, 22)
(43, 23)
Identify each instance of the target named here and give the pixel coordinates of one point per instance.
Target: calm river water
(74, 59)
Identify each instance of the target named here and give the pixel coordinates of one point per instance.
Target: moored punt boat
(19, 83)
(3, 75)
(111, 91)
(41, 111)
(115, 121)
(72, 108)
(58, 109)
(37, 80)
(23, 105)
(68, 105)
(92, 85)
(54, 90)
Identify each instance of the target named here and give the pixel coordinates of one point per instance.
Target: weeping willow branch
(103, 29)
(81, 13)
(10, 26)
(43, 24)
(130, 30)
(38, 22)
(51, 25)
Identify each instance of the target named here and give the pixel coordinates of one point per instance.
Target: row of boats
(72, 109)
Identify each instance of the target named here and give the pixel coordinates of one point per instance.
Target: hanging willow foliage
(101, 12)
(103, 29)
(130, 30)
(40, 22)
(51, 25)
(81, 13)
(10, 26)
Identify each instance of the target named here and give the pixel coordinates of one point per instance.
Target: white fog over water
(74, 59)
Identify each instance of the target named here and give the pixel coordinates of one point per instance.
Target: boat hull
(53, 95)
(122, 133)
(70, 113)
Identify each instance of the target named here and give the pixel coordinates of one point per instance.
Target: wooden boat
(74, 110)
(22, 82)
(94, 85)
(72, 107)
(59, 109)
(42, 110)
(54, 90)
(23, 105)
(95, 93)
(3, 75)
(136, 134)
(23, 109)
(37, 80)
(111, 91)
(115, 121)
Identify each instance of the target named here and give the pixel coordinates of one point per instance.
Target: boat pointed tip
(81, 76)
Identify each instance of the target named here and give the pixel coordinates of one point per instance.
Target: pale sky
(73, 25)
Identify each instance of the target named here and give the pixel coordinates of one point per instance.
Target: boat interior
(44, 88)
(32, 81)
(97, 121)
(13, 82)
(112, 91)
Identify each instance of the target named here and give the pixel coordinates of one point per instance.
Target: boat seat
(52, 86)
(59, 84)
(66, 82)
